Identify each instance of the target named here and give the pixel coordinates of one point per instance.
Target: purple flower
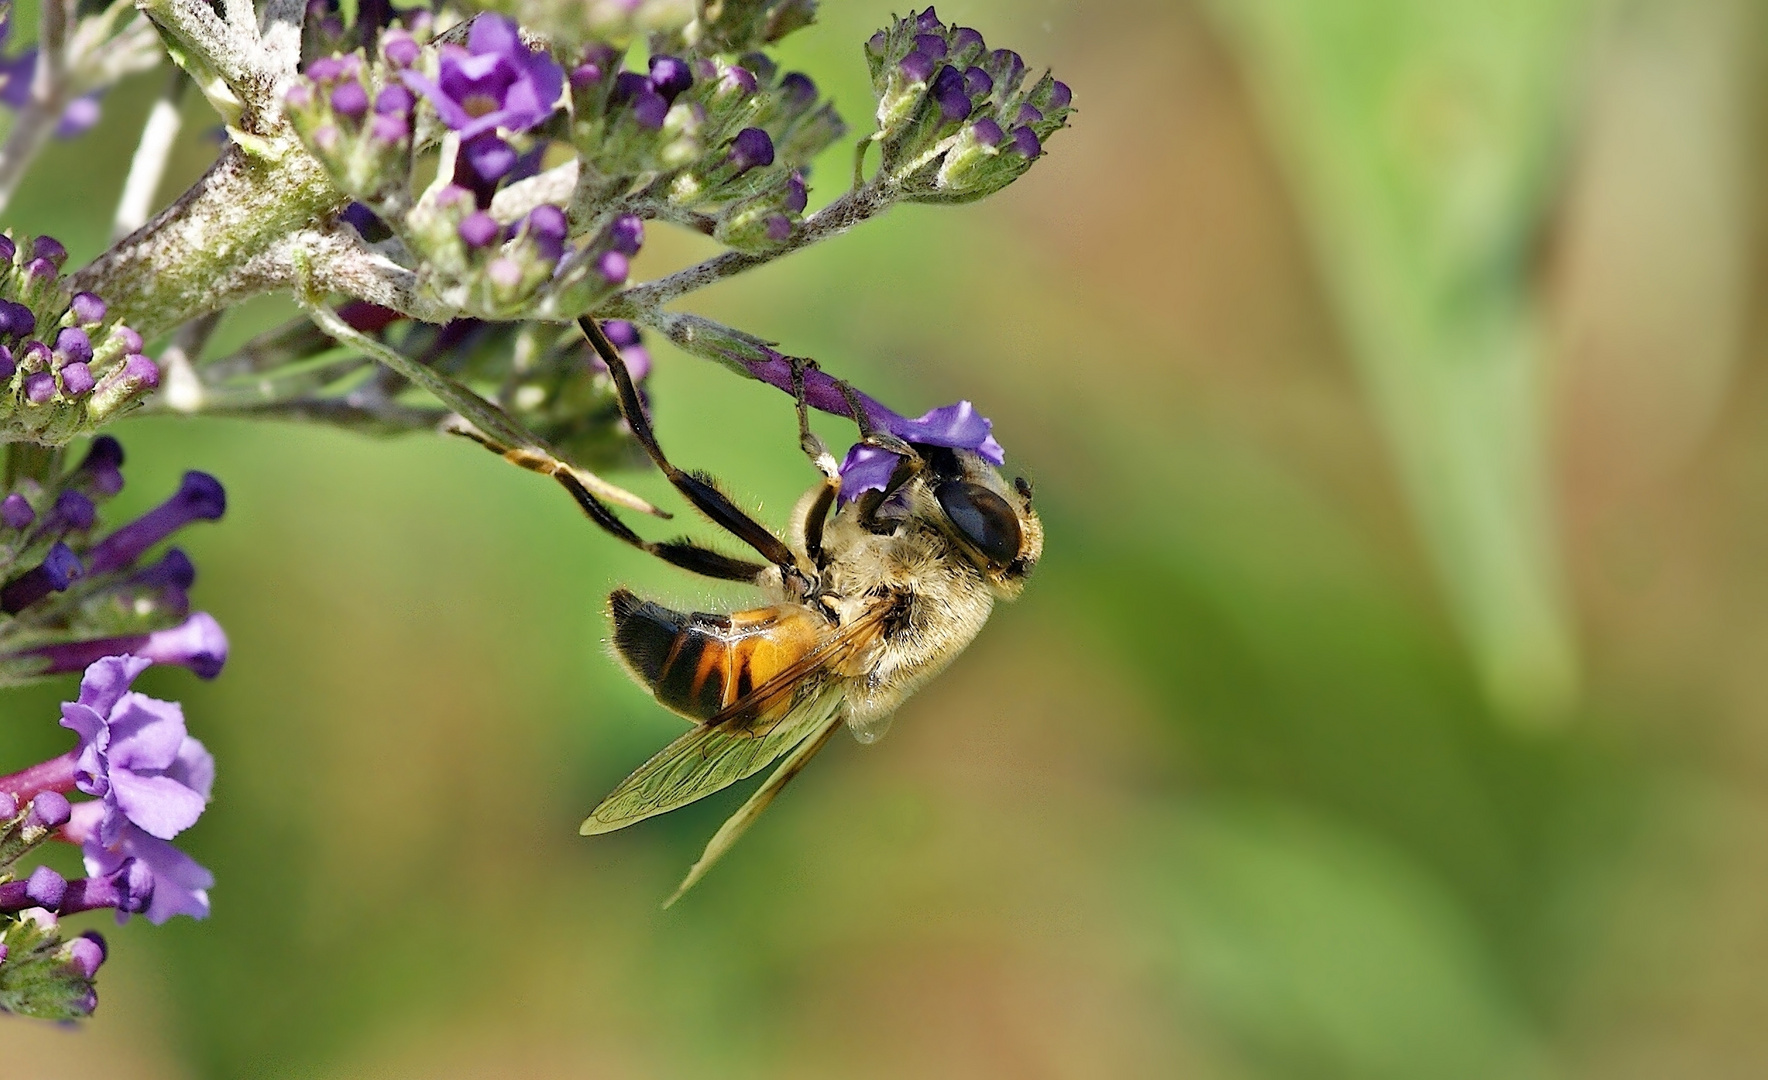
(751, 148)
(626, 338)
(958, 426)
(59, 569)
(627, 234)
(76, 379)
(1025, 142)
(128, 888)
(199, 498)
(349, 98)
(393, 100)
(88, 308)
(489, 158)
(479, 229)
(494, 82)
(135, 754)
(670, 76)
(102, 469)
(44, 888)
(178, 884)
(399, 47)
(79, 116)
(16, 512)
(39, 387)
(547, 226)
(197, 643)
(948, 91)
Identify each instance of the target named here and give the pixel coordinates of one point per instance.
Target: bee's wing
(738, 823)
(742, 739)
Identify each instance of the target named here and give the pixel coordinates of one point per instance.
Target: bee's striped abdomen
(699, 664)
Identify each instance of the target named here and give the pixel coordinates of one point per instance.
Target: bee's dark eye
(982, 518)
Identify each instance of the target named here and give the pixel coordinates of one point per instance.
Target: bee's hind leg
(683, 553)
(697, 489)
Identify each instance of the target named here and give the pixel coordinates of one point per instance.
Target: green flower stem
(832, 220)
(492, 421)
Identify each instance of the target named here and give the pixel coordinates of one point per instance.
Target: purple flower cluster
(150, 780)
(50, 546)
(957, 112)
(58, 356)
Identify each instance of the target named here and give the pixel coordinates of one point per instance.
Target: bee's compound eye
(982, 518)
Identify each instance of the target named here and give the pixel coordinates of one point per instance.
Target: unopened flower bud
(16, 512)
(87, 308)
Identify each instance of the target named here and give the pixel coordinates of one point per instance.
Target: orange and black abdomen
(699, 664)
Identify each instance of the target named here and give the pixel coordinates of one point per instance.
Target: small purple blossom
(399, 47)
(670, 76)
(44, 888)
(79, 116)
(547, 227)
(76, 379)
(916, 67)
(88, 308)
(59, 569)
(102, 468)
(394, 100)
(135, 754)
(948, 91)
(627, 234)
(349, 98)
(479, 229)
(49, 249)
(200, 497)
(495, 82)
(489, 158)
(128, 889)
(613, 267)
(751, 148)
(178, 884)
(198, 643)
(1025, 142)
(16, 512)
(39, 387)
(73, 343)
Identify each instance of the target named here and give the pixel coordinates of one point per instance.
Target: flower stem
(832, 220)
(56, 774)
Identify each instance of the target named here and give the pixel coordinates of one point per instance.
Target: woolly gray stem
(832, 220)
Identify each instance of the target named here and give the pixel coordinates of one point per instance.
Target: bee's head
(993, 524)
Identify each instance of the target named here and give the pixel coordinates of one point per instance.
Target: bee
(871, 598)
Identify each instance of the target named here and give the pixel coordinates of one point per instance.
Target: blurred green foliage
(1226, 795)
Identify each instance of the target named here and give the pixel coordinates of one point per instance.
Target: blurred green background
(1390, 703)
